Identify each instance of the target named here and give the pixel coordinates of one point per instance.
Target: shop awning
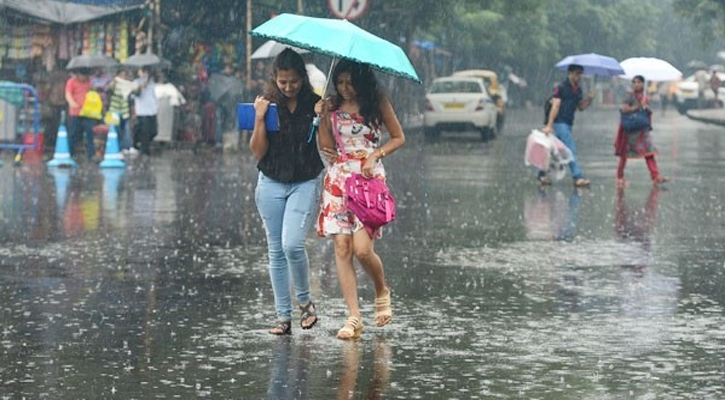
(70, 12)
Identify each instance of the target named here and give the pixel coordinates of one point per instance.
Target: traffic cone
(113, 157)
(61, 157)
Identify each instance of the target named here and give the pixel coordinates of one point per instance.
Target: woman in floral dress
(636, 144)
(360, 111)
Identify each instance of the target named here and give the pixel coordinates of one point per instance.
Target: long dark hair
(366, 86)
(288, 59)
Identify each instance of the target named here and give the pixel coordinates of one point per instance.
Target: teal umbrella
(338, 38)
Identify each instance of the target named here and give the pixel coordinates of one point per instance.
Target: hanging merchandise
(63, 53)
(78, 37)
(92, 38)
(40, 39)
(4, 40)
(100, 38)
(110, 33)
(121, 43)
(21, 43)
(86, 32)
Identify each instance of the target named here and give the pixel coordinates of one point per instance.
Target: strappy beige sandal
(352, 330)
(383, 312)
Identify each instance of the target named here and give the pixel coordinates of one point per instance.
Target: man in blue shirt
(566, 101)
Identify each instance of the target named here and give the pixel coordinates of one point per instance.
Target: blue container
(245, 117)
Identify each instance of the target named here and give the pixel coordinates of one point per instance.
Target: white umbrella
(271, 48)
(91, 61)
(653, 69)
(143, 60)
(721, 54)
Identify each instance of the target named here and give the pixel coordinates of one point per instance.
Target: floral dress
(635, 144)
(360, 140)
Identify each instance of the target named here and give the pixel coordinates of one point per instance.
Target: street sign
(348, 9)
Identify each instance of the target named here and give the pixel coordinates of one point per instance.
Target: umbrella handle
(313, 128)
(317, 119)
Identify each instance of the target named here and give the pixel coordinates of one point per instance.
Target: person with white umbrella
(636, 143)
(146, 107)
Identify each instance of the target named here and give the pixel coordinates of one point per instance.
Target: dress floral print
(360, 140)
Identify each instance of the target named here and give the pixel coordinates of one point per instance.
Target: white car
(687, 95)
(459, 104)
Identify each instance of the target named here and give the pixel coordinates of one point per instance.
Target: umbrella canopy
(220, 84)
(652, 69)
(91, 61)
(696, 64)
(338, 38)
(271, 48)
(594, 64)
(143, 60)
(67, 12)
(717, 68)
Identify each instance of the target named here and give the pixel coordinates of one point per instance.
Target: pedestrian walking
(566, 100)
(146, 107)
(638, 143)
(715, 84)
(57, 103)
(80, 122)
(287, 189)
(119, 91)
(359, 110)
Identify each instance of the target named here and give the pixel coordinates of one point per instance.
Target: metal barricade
(19, 118)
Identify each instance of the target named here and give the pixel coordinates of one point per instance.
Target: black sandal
(282, 328)
(308, 311)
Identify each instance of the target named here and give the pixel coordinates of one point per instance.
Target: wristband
(382, 152)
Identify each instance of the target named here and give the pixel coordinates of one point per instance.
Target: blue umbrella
(594, 64)
(338, 38)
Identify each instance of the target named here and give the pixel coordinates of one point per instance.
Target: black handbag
(635, 121)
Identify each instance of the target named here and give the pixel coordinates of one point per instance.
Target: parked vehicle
(459, 104)
(497, 91)
(687, 95)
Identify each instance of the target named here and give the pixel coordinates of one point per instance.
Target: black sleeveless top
(290, 158)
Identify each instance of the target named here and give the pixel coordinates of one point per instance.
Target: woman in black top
(288, 185)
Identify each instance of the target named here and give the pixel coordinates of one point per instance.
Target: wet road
(152, 282)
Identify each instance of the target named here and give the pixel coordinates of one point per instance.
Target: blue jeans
(563, 133)
(124, 134)
(78, 126)
(287, 211)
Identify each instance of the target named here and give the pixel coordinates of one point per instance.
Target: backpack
(547, 108)
(547, 105)
(92, 106)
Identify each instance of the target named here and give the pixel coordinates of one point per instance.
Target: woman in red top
(76, 90)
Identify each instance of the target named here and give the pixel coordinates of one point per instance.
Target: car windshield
(456, 87)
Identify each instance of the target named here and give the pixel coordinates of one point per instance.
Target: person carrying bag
(634, 135)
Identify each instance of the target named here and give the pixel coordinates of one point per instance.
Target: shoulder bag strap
(338, 139)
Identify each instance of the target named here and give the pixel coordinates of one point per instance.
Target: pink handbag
(368, 198)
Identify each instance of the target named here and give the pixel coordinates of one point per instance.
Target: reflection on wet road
(151, 282)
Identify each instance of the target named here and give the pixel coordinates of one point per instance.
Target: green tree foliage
(530, 36)
(707, 15)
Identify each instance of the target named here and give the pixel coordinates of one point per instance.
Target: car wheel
(681, 108)
(499, 122)
(488, 133)
(431, 134)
